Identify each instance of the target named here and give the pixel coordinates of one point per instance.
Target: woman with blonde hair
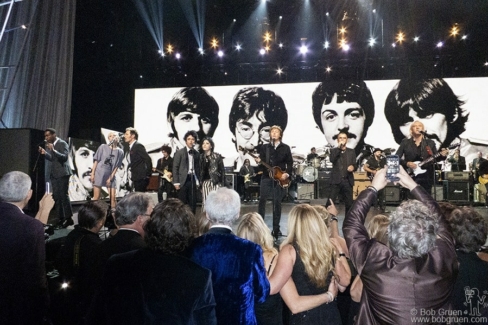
(313, 262)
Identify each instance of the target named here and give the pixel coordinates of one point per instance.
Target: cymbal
(324, 155)
(298, 157)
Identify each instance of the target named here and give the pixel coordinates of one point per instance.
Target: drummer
(312, 155)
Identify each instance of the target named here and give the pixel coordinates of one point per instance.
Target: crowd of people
(167, 265)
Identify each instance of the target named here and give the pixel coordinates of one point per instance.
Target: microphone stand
(433, 169)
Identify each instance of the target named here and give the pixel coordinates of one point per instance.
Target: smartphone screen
(393, 164)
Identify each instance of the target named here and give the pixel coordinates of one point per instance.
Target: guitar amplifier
(456, 192)
(231, 181)
(457, 176)
(392, 194)
(305, 191)
(361, 176)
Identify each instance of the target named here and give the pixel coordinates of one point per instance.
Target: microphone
(42, 143)
(423, 132)
(113, 140)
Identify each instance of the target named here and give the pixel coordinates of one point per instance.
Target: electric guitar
(274, 172)
(418, 170)
(247, 177)
(165, 174)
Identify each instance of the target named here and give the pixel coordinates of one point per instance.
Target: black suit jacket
(180, 165)
(140, 162)
(59, 159)
(23, 284)
(350, 156)
(148, 287)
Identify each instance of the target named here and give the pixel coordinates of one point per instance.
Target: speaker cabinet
(19, 148)
(359, 186)
(231, 181)
(392, 194)
(305, 191)
(322, 185)
(456, 192)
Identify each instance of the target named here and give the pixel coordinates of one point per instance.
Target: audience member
(77, 258)
(131, 213)
(312, 261)
(238, 274)
(470, 231)
(23, 285)
(420, 245)
(156, 284)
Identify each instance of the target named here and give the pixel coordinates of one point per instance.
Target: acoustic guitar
(275, 172)
(418, 170)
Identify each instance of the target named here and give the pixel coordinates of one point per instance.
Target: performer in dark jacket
(56, 152)
(140, 163)
(344, 165)
(164, 167)
(416, 149)
(420, 246)
(212, 172)
(275, 154)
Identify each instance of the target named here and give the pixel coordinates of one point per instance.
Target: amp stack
(456, 188)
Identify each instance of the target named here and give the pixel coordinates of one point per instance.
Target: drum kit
(308, 170)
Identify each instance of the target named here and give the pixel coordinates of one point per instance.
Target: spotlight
(170, 48)
(267, 48)
(416, 39)
(486, 64)
(454, 30)
(280, 45)
(440, 44)
(214, 43)
(23, 27)
(178, 56)
(327, 14)
(393, 45)
(303, 49)
(400, 37)
(279, 71)
(281, 17)
(328, 69)
(234, 20)
(267, 37)
(238, 47)
(220, 53)
(346, 47)
(374, 11)
(464, 37)
(326, 45)
(372, 41)
(140, 76)
(64, 285)
(262, 51)
(200, 50)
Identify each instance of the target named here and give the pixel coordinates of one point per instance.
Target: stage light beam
(303, 49)
(214, 43)
(326, 44)
(220, 53)
(440, 44)
(400, 37)
(372, 41)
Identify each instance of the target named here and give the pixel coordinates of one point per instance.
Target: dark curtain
(37, 65)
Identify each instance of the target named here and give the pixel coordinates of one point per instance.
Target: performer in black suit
(186, 168)
(56, 152)
(416, 149)
(374, 163)
(156, 284)
(344, 165)
(140, 163)
(458, 162)
(164, 167)
(275, 154)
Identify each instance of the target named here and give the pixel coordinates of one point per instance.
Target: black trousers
(141, 184)
(271, 190)
(62, 204)
(343, 188)
(188, 193)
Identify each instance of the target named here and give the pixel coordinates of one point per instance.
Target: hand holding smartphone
(393, 168)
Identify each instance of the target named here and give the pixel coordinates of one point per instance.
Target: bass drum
(310, 174)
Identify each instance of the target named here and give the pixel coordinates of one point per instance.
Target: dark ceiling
(115, 53)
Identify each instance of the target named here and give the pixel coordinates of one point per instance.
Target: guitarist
(276, 154)
(165, 167)
(374, 163)
(247, 171)
(418, 148)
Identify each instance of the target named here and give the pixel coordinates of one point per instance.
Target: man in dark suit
(140, 163)
(131, 213)
(344, 165)
(56, 152)
(156, 284)
(186, 167)
(475, 165)
(23, 284)
(458, 162)
(238, 274)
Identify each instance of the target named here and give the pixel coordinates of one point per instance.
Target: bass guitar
(275, 172)
(418, 170)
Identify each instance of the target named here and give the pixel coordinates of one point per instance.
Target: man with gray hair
(131, 213)
(238, 273)
(23, 284)
(418, 269)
